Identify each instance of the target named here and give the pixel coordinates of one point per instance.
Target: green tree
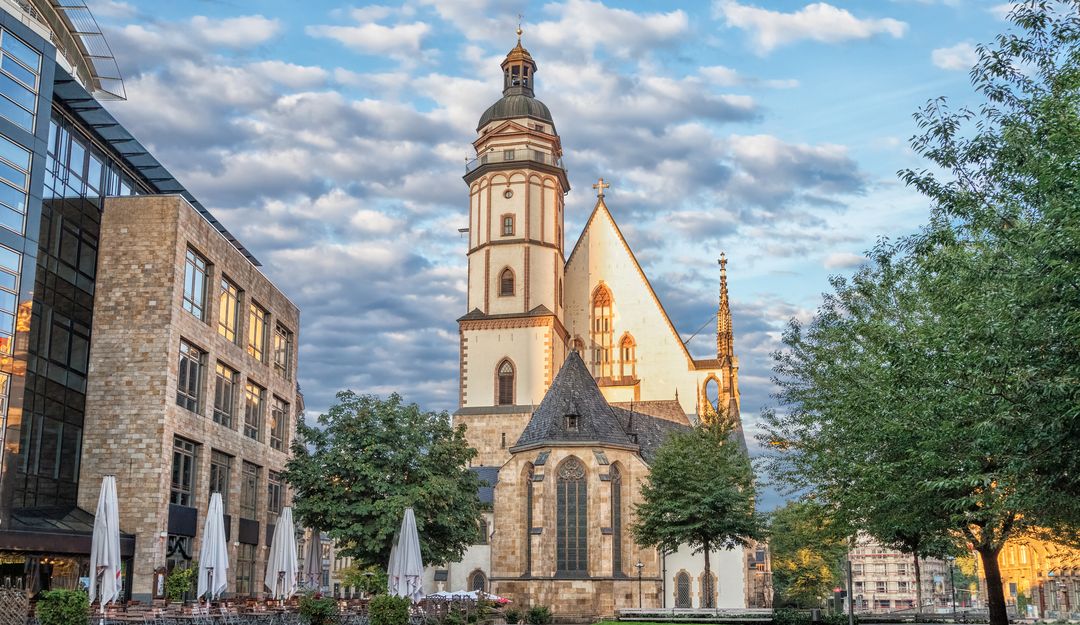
(370, 580)
(367, 460)
(808, 552)
(700, 492)
(945, 374)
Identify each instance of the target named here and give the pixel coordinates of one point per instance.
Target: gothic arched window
(682, 590)
(602, 331)
(506, 282)
(571, 524)
(478, 581)
(708, 590)
(505, 388)
(627, 356)
(578, 346)
(616, 520)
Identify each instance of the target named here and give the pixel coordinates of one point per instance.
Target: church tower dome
(519, 99)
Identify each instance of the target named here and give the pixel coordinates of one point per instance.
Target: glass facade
(20, 69)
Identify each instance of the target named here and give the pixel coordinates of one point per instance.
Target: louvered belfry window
(506, 383)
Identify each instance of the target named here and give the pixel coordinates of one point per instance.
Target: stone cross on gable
(600, 186)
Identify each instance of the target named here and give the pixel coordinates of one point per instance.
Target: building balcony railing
(513, 156)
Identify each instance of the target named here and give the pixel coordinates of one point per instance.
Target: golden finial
(519, 31)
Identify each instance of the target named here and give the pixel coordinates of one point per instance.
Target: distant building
(883, 580)
(1046, 574)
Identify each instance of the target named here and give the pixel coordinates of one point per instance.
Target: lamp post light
(639, 566)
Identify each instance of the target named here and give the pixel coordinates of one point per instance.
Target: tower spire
(725, 348)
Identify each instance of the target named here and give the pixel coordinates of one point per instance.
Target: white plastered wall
(728, 566)
(527, 350)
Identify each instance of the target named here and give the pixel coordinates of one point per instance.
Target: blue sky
(331, 139)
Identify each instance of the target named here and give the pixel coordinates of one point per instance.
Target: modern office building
(61, 155)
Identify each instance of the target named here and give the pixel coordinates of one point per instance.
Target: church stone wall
(486, 429)
(605, 589)
(529, 348)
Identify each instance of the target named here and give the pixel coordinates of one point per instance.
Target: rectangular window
(224, 395)
(257, 322)
(249, 490)
(275, 493)
(229, 310)
(220, 469)
(245, 570)
(196, 271)
(508, 225)
(881, 587)
(182, 492)
(254, 397)
(508, 155)
(903, 586)
(283, 347)
(279, 418)
(189, 378)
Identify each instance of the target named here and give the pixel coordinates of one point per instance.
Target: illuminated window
(283, 347)
(224, 395)
(228, 310)
(257, 327)
(602, 332)
(279, 418)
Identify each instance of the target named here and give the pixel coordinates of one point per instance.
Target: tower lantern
(518, 70)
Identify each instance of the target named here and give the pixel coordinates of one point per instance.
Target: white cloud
(1001, 11)
(720, 76)
(816, 22)
(236, 32)
(372, 38)
(959, 57)
(843, 260)
(290, 74)
(112, 8)
(586, 25)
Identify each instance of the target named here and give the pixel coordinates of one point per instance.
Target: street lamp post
(639, 566)
(952, 586)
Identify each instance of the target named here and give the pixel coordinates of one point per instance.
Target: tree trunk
(995, 593)
(918, 585)
(709, 603)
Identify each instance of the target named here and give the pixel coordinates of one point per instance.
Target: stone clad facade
(133, 415)
(572, 375)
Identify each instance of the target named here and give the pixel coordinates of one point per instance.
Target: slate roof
(489, 476)
(574, 392)
(669, 409)
(649, 431)
(516, 105)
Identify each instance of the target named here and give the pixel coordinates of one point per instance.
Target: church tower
(512, 337)
(727, 363)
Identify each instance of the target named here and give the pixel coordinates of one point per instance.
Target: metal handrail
(512, 156)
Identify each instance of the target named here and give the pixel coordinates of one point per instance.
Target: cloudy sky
(331, 138)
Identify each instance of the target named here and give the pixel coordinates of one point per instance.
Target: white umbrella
(281, 565)
(313, 561)
(214, 554)
(406, 566)
(105, 546)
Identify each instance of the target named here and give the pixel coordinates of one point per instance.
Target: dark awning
(67, 530)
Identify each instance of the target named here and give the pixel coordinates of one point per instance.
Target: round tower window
(509, 193)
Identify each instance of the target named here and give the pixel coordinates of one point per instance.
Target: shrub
(538, 615)
(390, 610)
(787, 616)
(513, 616)
(181, 581)
(316, 609)
(453, 617)
(63, 607)
(837, 619)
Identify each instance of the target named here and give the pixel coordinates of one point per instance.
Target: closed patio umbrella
(214, 554)
(281, 564)
(105, 546)
(406, 568)
(313, 561)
